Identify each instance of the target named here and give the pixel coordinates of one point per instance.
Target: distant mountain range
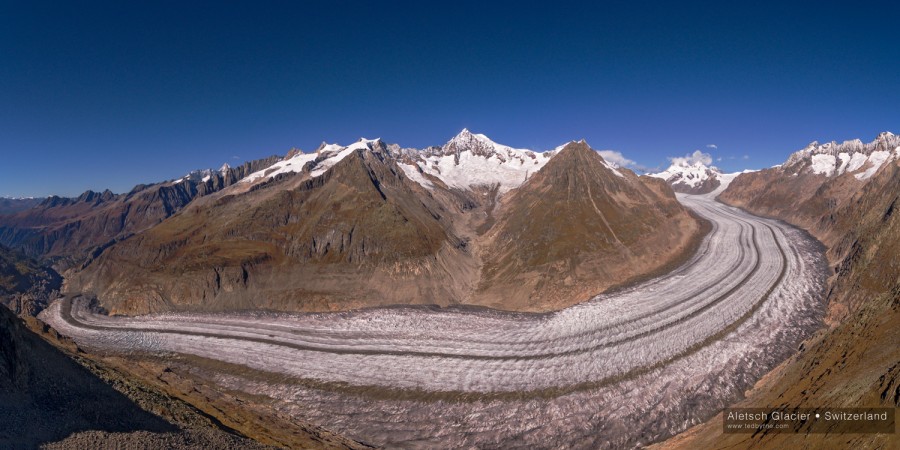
(371, 223)
(13, 205)
(695, 177)
(468, 222)
(690, 177)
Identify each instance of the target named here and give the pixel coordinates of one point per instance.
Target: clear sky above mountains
(110, 94)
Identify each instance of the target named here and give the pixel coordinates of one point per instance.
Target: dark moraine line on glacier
(66, 315)
(546, 353)
(682, 345)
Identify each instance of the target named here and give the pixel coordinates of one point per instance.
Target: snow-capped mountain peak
(325, 147)
(470, 159)
(693, 177)
(202, 175)
(365, 144)
(316, 163)
(477, 144)
(832, 159)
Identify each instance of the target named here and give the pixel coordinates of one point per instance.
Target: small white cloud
(719, 159)
(235, 157)
(712, 146)
(693, 158)
(616, 158)
(746, 156)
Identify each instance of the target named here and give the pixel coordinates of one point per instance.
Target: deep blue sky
(107, 95)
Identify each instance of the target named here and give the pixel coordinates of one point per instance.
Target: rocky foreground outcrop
(26, 286)
(46, 398)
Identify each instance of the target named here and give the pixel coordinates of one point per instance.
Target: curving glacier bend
(622, 370)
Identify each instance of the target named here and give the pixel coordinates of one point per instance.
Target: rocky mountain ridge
(691, 177)
(580, 226)
(834, 159)
(77, 229)
(364, 225)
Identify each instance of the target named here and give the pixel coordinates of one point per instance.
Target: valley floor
(622, 370)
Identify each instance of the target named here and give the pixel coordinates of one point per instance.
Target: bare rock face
(578, 227)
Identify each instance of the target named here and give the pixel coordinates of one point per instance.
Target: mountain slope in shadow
(45, 396)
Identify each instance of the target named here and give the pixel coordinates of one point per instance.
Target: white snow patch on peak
(329, 148)
(690, 170)
(325, 157)
(363, 144)
(413, 172)
(613, 160)
(203, 175)
(856, 161)
(469, 160)
(876, 160)
(823, 164)
(844, 160)
(476, 143)
(833, 158)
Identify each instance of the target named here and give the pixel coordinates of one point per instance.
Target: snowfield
(622, 370)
